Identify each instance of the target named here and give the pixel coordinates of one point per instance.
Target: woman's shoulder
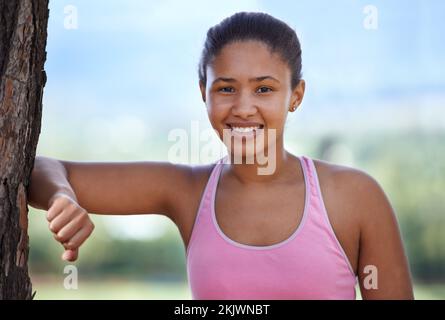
(342, 176)
(354, 188)
(201, 174)
(192, 175)
(191, 181)
(194, 181)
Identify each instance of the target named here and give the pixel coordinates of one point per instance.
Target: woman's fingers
(71, 228)
(57, 207)
(72, 245)
(61, 220)
(79, 238)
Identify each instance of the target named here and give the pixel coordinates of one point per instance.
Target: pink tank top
(310, 264)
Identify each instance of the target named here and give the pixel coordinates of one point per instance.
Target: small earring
(293, 108)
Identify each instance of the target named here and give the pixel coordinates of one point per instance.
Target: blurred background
(122, 75)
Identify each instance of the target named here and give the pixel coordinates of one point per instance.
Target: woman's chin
(246, 155)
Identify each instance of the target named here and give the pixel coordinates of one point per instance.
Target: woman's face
(248, 94)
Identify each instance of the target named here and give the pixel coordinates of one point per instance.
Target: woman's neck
(250, 173)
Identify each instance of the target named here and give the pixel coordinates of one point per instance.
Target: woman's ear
(202, 87)
(298, 94)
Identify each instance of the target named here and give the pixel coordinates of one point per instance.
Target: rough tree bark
(23, 33)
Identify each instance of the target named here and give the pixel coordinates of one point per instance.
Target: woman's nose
(244, 106)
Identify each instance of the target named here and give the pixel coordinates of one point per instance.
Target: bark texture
(23, 34)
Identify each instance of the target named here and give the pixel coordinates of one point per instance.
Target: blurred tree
(23, 33)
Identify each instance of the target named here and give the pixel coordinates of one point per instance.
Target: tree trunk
(23, 25)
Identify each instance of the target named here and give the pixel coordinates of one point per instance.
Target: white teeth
(244, 129)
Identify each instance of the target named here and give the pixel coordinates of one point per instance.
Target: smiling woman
(260, 96)
(250, 63)
(307, 229)
(248, 239)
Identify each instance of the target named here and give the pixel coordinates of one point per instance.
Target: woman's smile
(245, 129)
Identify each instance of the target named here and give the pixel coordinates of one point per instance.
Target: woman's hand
(70, 224)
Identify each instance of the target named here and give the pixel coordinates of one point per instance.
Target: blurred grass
(430, 292)
(111, 289)
(116, 289)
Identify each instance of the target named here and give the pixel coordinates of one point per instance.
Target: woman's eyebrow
(256, 79)
(263, 78)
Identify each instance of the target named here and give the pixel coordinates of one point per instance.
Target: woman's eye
(264, 89)
(226, 89)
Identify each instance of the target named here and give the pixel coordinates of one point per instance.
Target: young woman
(308, 229)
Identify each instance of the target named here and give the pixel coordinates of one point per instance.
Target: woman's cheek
(219, 106)
(216, 117)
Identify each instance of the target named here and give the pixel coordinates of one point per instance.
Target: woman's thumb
(70, 255)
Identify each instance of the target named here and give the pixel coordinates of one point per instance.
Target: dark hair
(276, 34)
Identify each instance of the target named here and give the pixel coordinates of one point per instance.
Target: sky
(140, 57)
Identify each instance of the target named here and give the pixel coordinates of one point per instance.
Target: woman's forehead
(247, 59)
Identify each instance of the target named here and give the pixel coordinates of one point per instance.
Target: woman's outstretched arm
(111, 187)
(70, 190)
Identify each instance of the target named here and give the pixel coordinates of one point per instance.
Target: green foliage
(410, 167)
